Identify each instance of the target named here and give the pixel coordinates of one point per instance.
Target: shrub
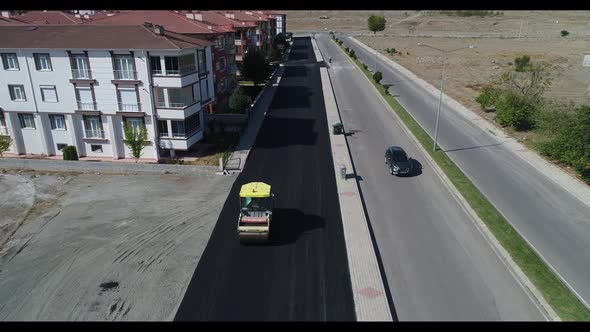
(572, 144)
(347, 49)
(238, 101)
(352, 54)
(377, 77)
(487, 97)
(135, 139)
(5, 142)
(564, 33)
(365, 66)
(522, 63)
(340, 42)
(515, 111)
(70, 153)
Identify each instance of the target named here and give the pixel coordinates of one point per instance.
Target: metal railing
(94, 133)
(178, 104)
(157, 72)
(129, 107)
(87, 106)
(181, 71)
(125, 74)
(81, 74)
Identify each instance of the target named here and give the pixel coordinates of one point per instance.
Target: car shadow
(288, 225)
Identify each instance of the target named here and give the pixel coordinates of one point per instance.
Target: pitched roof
(88, 36)
(49, 17)
(170, 20)
(242, 16)
(10, 21)
(272, 12)
(221, 20)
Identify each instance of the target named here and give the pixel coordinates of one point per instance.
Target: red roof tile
(88, 36)
(170, 20)
(10, 21)
(242, 16)
(221, 20)
(49, 17)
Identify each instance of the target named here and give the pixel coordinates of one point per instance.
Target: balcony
(175, 104)
(83, 106)
(125, 75)
(175, 72)
(94, 133)
(81, 74)
(3, 131)
(129, 107)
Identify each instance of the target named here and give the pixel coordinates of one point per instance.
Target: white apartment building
(78, 84)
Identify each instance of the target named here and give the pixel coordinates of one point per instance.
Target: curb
(513, 268)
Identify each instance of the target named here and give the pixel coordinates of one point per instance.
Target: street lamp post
(442, 85)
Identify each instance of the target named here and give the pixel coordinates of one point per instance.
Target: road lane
(437, 263)
(555, 222)
(303, 274)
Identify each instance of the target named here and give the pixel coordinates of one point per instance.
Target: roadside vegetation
(5, 142)
(560, 298)
(559, 130)
(135, 139)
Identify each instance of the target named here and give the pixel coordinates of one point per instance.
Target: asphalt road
(555, 222)
(303, 274)
(437, 263)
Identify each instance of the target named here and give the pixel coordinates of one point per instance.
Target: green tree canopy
(376, 23)
(255, 67)
(238, 101)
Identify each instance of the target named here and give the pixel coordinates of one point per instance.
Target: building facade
(82, 88)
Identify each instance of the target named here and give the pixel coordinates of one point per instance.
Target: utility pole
(442, 85)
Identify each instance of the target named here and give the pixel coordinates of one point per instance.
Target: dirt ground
(467, 70)
(96, 247)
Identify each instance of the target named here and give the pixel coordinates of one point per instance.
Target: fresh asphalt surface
(303, 273)
(438, 265)
(553, 220)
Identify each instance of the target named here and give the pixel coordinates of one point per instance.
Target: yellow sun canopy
(255, 189)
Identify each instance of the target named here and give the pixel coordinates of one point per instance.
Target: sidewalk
(238, 158)
(370, 299)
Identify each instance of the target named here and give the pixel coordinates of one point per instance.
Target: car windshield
(399, 156)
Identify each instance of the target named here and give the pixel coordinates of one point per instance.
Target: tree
(522, 63)
(280, 40)
(135, 139)
(5, 142)
(238, 101)
(273, 53)
(516, 111)
(70, 153)
(377, 77)
(255, 67)
(376, 23)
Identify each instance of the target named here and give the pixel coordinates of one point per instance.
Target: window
(187, 64)
(135, 123)
(172, 66)
(93, 126)
(163, 128)
(61, 146)
(48, 93)
(80, 68)
(58, 121)
(202, 61)
(26, 121)
(3, 129)
(85, 98)
(155, 65)
(10, 61)
(178, 128)
(219, 42)
(128, 100)
(124, 67)
(96, 147)
(17, 92)
(221, 64)
(192, 124)
(42, 61)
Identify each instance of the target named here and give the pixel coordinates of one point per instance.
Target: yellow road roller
(256, 207)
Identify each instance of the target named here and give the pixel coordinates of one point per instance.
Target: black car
(398, 162)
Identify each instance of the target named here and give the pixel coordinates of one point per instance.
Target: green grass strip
(565, 304)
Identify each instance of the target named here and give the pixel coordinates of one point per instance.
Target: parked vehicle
(398, 162)
(324, 17)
